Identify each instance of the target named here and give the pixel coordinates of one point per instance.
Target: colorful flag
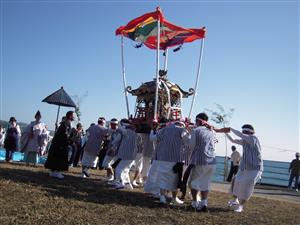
(144, 30)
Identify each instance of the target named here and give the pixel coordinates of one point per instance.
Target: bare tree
(222, 117)
(78, 100)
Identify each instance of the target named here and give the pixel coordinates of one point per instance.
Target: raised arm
(236, 141)
(245, 137)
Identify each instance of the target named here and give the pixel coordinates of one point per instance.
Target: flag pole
(197, 78)
(124, 76)
(157, 69)
(56, 123)
(166, 59)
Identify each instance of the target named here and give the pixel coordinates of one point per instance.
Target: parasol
(60, 98)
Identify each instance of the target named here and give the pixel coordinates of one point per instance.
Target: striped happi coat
(252, 158)
(130, 144)
(169, 146)
(204, 149)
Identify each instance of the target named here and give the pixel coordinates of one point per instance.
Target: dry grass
(29, 196)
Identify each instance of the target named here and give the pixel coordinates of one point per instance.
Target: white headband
(114, 122)
(248, 129)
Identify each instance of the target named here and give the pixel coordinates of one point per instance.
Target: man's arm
(245, 137)
(236, 141)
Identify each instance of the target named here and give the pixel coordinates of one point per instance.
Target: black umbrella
(60, 98)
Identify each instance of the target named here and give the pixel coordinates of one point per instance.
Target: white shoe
(110, 178)
(162, 199)
(85, 172)
(140, 181)
(176, 202)
(59, 175)
(233, 202)
(238, 208)
(296, 190)
(135, 184)
(83, 175)
(128, 186)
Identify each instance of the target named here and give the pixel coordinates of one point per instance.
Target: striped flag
(144, 30)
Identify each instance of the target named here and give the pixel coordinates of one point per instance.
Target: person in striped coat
(96, 134)
(203, 159)
(251, 166)
(169, 150)
(113, 146)
(151, 185)
(127, 152)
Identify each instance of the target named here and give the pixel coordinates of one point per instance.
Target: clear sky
(250, 61)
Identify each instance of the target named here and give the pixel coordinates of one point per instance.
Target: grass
(29, 196)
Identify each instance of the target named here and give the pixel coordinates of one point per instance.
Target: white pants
(168, 180)
(89, 160)
(146, 166)
(244, 183)
(138, 162)
(200, 177)
(122, 171)
(108, 161)
(151, 185)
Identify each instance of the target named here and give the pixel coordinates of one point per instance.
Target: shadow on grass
(76, 188)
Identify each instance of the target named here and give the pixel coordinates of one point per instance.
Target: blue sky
(250, 61)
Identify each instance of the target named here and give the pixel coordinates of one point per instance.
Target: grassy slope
(29, 196)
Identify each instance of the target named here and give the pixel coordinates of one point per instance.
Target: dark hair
(69, 114)
(233, 148)
(124, 121)
(79, 125)
(101, 120)
(11, 119)
(38, 113)
(248, 126)
(202, 116)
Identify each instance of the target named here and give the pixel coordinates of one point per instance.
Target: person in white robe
(33, 133)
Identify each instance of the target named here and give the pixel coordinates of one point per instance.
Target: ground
(29, 196)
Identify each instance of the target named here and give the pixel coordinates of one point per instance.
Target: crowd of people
(173, 157)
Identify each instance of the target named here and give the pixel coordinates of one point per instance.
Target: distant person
(11, 142)
(76, 136)
(44, 139)
(251, 166)
(235, 163)
(32, 135)
(294, 171)
(57, 160)
(2, 136)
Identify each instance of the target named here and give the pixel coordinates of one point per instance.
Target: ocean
(275, 173)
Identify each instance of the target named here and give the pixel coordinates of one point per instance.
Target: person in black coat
(11, 142)
(57, 160)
